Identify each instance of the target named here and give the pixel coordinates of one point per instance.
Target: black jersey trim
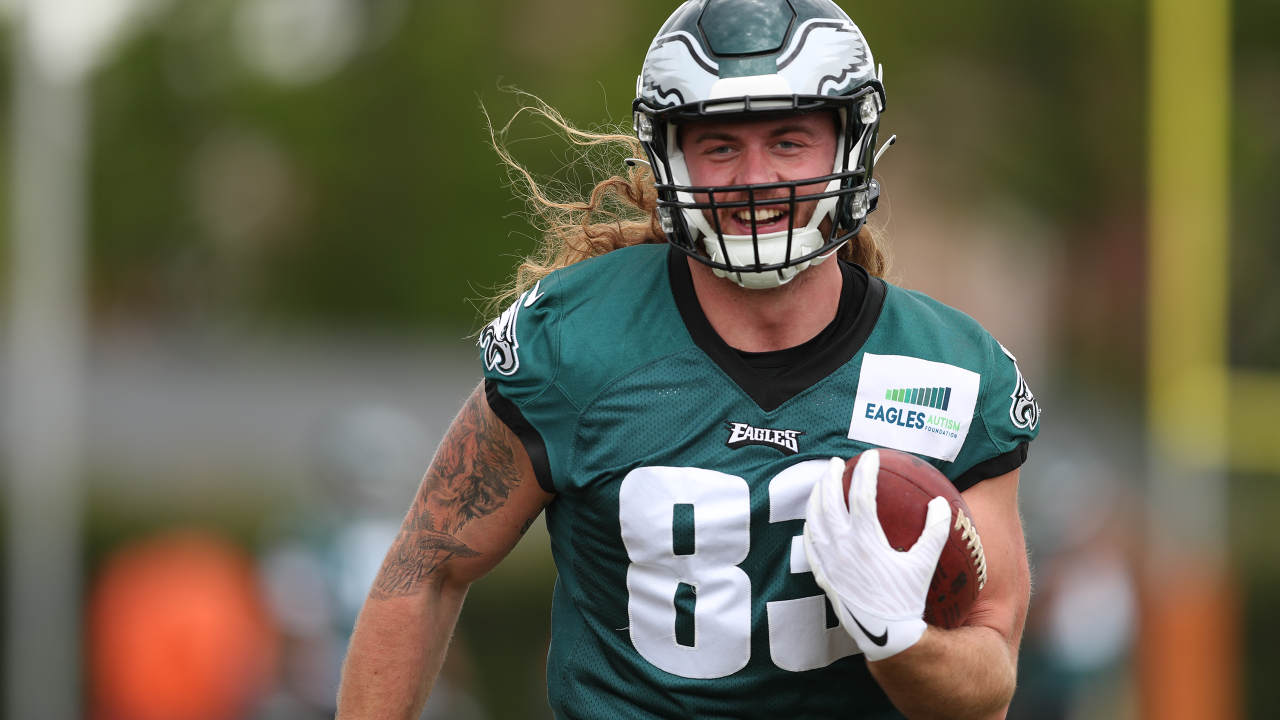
(995, 467)
(771, 394)
(773, 364)
(510, 415)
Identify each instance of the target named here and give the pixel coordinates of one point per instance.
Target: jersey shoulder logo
(498, 339)
(918, 406)
(741, 435)
(1024, 411)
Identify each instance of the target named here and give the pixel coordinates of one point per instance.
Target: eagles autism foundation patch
(914, 405)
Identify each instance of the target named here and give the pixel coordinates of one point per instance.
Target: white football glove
(878, 592)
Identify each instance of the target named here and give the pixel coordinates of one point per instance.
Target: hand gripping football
(904, 488)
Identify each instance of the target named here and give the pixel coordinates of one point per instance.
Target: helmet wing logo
(826, 58)
(677, 71)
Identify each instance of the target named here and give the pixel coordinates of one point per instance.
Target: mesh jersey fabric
(672, 482)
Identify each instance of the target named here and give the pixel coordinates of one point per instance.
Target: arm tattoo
(529, 523)
(471, 476)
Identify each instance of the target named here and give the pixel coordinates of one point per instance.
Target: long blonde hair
(620, 211)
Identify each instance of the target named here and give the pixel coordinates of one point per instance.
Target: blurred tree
(1255, 270)
(1039, 106)
(394, 208)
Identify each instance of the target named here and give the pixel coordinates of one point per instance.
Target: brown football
(905, 486)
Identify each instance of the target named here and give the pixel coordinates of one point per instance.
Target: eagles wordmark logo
(742, 435)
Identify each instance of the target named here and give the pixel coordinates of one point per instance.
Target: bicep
(475, 502)
(1002, 603)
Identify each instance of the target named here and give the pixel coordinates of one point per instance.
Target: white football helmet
(730, 59)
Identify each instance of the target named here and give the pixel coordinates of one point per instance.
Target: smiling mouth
(763, 217)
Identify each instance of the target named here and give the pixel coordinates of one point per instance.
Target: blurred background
(291, 218)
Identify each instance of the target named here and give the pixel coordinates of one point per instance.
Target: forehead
(819, 124)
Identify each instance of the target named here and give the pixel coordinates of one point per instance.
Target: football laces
(970, 535)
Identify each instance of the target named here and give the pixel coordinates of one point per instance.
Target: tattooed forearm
(471, 476)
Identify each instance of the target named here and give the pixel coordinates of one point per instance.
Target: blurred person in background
(318, 567)
(1082, 527)
(671, 384)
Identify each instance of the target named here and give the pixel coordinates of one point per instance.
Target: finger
(862, 495)
(832, 490)
(811, 554)
(816, 513)
(862, 488)
(937, 527)
(815, 524)
(939, 513)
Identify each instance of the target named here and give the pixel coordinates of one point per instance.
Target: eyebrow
(707, 135)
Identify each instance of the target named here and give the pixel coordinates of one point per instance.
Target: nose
(756, 167)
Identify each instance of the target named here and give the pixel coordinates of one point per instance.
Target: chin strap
(773, 249)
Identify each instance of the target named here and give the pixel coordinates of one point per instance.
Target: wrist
(924, 646)
(880, 639)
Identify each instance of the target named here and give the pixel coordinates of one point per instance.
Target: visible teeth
(763, 215)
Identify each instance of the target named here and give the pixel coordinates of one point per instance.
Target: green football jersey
(682, 478)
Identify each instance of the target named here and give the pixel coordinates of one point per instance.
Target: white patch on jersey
(914, 405)
(1024, 411)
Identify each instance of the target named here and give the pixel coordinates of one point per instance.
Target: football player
(672, 393)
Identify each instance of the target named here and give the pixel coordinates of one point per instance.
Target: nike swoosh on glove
(878, 592)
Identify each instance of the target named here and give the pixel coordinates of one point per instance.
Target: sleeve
(520, 359)
(1008, 418)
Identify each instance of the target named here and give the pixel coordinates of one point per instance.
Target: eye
(722, 150)
(787, 145)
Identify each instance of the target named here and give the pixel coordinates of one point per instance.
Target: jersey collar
(772, 394)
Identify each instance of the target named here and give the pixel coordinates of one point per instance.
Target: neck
(775, 319)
